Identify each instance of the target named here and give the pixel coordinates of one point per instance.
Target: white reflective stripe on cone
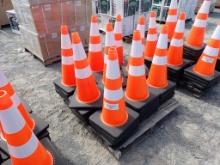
(105, 58)
(216, 34)
(176, 42)
(136, 49)
(25, 150)
(94, 29)
(152, 22)
(152, 37)
(136, 70)
(83, 73)
(118, 43)
(79, 52)
(67, 60)
(205, 7)
(112, 70)
(65, 41)
(118, 27)
(95, 47)
(171, 18)
(159, 60)
(111, 106)
(3, 79)
(210, 51)
(9, 115)
(162, 41)
(208, 59)
(200, 23)
(113, 95)
(109, 39)
(16, 100)
(180, 26)
(141, 28)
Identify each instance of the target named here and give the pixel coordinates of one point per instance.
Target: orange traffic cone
(5, 85)
(172, 18)
(141, 27)
(197, 33)
(23, 145)
(95, 55)
(137, 89)
(86, 89)
(67, 68)
(175, 52)
(118, 39)
(152, 37)
(207, 61)
(114, 112)
(109, 42)
(157, 76)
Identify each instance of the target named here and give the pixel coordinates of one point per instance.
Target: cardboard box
(4, 6)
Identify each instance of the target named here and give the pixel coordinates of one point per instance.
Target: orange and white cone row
(136, 89)
(205, 66)
(95, 55)
(172, 18)
(67, 68)
(141, 27)
(175, 52)
(118, 39)
(157, 76)
(152, 37)
(86, 88)
(23, 145)
(5, 85)
(197, 32)
(114, 113)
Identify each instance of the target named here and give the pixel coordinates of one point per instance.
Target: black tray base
(63, 91)
(114, 136)
(40, 126)
(147, 63)
(144, 108)
(192, 53)
(218, 65)
(164, 93)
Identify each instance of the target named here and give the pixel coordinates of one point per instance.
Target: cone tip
(94, 19)
(182, 16)
(141, 20)
(118, 18)
(153, 14)
(64, 29)
(112, 53)
(136, 35)
(75, 38)
(109, 27)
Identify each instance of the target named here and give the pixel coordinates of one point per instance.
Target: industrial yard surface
(189, 136)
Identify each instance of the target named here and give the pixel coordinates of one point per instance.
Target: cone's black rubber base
(73, 103)
(175, 73)
(62, 90)
(147, 62)
(192, 53)
(218, 65)
(40, 126)
(27, 106)
(199, 84)
(113, 136)
(144, 108)
(83, 114)
(164, 93)
(4, 156)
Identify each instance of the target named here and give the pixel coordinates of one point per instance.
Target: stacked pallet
(40, 21)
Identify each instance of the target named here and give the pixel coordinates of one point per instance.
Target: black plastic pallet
(192, 53)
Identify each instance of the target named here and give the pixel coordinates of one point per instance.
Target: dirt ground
(189, 136)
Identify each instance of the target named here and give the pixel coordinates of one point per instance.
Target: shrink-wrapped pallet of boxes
(40, 22)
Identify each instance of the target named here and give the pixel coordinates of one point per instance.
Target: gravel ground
(189, 136)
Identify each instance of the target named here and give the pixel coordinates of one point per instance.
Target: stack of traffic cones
(65, 86)
(151, 40)
(176, 63)
(141, 28)
(202, 75)
(137, 93)
(87, 97)
(194, 44)
(116, 122)
(157, 77)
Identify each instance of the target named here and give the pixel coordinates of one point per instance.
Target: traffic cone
(152, 37)
(172, 18)
(141, 27)
(109, 42)
(23, 145)
(157, 76)
(114, 113)
(5, 85)
(205, 66)
(175, 52)
(118, 39)
(137, 89)
(67, 69)
(86, 89)
(197, 32)
(95, 55)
